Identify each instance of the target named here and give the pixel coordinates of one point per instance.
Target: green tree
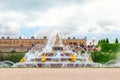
(116, 40)
(107, 40)
(99, 42)
(104, 41)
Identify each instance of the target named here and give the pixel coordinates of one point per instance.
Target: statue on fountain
(58, 43)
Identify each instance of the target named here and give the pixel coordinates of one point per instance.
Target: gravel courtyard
(59, 73)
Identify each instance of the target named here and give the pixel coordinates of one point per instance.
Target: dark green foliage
(110, 51)
(107, 40)
(99, 42)
(106, 47)
(103, 57)
(116, 40)
(1, 56)
(102, 41)
(13, 51)
(82, 51)
(15, 57)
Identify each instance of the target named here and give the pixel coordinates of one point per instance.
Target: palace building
(20, 44)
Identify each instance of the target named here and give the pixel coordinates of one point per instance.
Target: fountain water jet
(6, 64)
(55, 54)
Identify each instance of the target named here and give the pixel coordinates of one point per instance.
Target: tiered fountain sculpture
(54, 54)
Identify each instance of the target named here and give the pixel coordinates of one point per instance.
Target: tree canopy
(116, 40)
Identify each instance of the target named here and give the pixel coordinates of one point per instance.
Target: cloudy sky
(92, 18)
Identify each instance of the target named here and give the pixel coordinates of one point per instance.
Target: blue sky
(92, 18)
(26, 31)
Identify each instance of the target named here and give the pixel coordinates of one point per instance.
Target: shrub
(1, 56)
(106, 47)
(82, 51)
(110, 51)
(13, 51)
(103, 57)
(15, 57)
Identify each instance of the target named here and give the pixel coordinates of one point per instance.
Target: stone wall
(21, 44)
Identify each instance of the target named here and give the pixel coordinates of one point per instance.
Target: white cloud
(10, 22)
(72, 17)
(84, 18)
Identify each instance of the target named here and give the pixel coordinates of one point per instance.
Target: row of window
(28, 42)
(16, 42)
(76, 42)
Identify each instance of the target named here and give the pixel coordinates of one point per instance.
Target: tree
(104, 41)
(116, 40)
(107, 40)
(99, 42)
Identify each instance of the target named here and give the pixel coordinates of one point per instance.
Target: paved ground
(59, 73)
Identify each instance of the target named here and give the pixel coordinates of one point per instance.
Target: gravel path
(59, 73)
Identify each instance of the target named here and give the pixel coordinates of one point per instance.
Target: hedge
(103, 57)
(14, 57)
(105, 47)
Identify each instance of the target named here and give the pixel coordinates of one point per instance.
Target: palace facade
(21, 44)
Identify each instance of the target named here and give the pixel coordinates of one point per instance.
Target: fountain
(55, 54)
(6, 64)
(113, 63)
